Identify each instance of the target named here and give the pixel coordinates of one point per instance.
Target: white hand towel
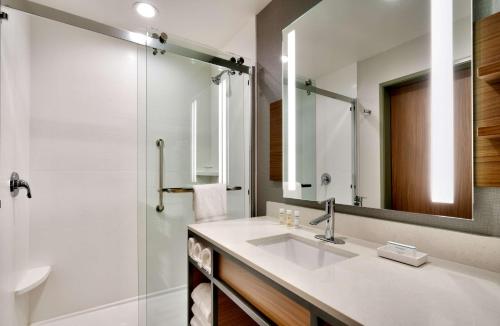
(199, 314)
(202, 296)
(191, 243)
(206, 260)
(197, 248)
(210, 202)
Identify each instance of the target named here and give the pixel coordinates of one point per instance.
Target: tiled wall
(14, 146)
(83, 163)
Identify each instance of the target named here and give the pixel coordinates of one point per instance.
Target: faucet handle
(16, 183)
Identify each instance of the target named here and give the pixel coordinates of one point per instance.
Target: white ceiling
(209, 22)
(337, 33)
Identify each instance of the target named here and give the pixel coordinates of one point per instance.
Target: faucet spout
(329, 217)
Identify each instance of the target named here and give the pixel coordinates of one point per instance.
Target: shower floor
(163, 309)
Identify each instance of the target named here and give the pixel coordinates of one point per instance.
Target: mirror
(377, 105)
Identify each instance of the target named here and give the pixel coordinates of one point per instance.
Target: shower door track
(94, 26)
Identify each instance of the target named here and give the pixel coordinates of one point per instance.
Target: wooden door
(410, 148)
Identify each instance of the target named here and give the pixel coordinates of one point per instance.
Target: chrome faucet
(329, 217)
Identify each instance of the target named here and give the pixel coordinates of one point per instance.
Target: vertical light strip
(220, 133)
(442, 125)
(291, 111)
(223, 132)
(194, 109)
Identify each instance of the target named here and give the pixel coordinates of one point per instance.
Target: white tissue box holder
(402, 253)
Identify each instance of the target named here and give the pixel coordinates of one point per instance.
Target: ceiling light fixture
(145, 9)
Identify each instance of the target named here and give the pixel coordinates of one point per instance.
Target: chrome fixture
(16, 183)
(163, 37)
(161, 145)
(326, 178)
(329, 217)
(190, 189)
(137, 38)
(308, 84)
(216, 79)
(358, 200)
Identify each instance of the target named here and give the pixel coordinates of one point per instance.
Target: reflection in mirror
(377, 109)
(218, 129)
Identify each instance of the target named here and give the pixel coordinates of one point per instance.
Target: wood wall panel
(272, 303)
(276, 141)
(410, 148)
(486, 103)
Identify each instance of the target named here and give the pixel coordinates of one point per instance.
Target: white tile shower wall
(14, 156)
(83, 168)
(334, 135)
(465, 248)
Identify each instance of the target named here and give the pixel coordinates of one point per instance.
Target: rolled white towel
(199, 314)
(202, 296)
(195, 322)
(197, 252)
(206, 259)
(191, 243)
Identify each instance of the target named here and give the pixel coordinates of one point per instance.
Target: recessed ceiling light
(145, 9)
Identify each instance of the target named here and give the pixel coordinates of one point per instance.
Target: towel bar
(160, 143)
(190, 189)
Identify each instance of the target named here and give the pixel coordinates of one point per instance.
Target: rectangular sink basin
(304, 252)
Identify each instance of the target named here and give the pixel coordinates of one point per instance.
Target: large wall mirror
(377, 105)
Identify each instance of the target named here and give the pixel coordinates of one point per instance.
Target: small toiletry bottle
(296, 219)
(289, 217)
(282, 216)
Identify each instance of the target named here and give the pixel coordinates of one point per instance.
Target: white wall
(14, 156)
(83, 168)
(243, 43)
(334, 135)
(403, 60)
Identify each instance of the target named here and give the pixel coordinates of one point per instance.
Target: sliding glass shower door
(193, 130)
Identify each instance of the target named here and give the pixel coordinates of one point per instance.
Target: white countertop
(366, 288)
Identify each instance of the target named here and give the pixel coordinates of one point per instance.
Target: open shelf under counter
(195, 264)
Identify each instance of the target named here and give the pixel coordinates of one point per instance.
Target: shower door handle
(161, 145)
(16, 183)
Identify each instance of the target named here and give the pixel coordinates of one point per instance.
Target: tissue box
(403, 254)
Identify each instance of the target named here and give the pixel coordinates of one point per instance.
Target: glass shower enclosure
(111, 129)
(195, 129)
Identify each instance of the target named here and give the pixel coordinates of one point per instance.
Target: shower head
(216, 79)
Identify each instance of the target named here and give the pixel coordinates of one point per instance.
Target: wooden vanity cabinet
(242, 296)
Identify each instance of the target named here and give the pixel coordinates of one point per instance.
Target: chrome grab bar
(160, 207)
(161, 145)
(190, 189)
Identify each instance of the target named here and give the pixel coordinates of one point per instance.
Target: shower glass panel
(204, 127)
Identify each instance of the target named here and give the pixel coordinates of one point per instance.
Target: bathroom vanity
(265, 273)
